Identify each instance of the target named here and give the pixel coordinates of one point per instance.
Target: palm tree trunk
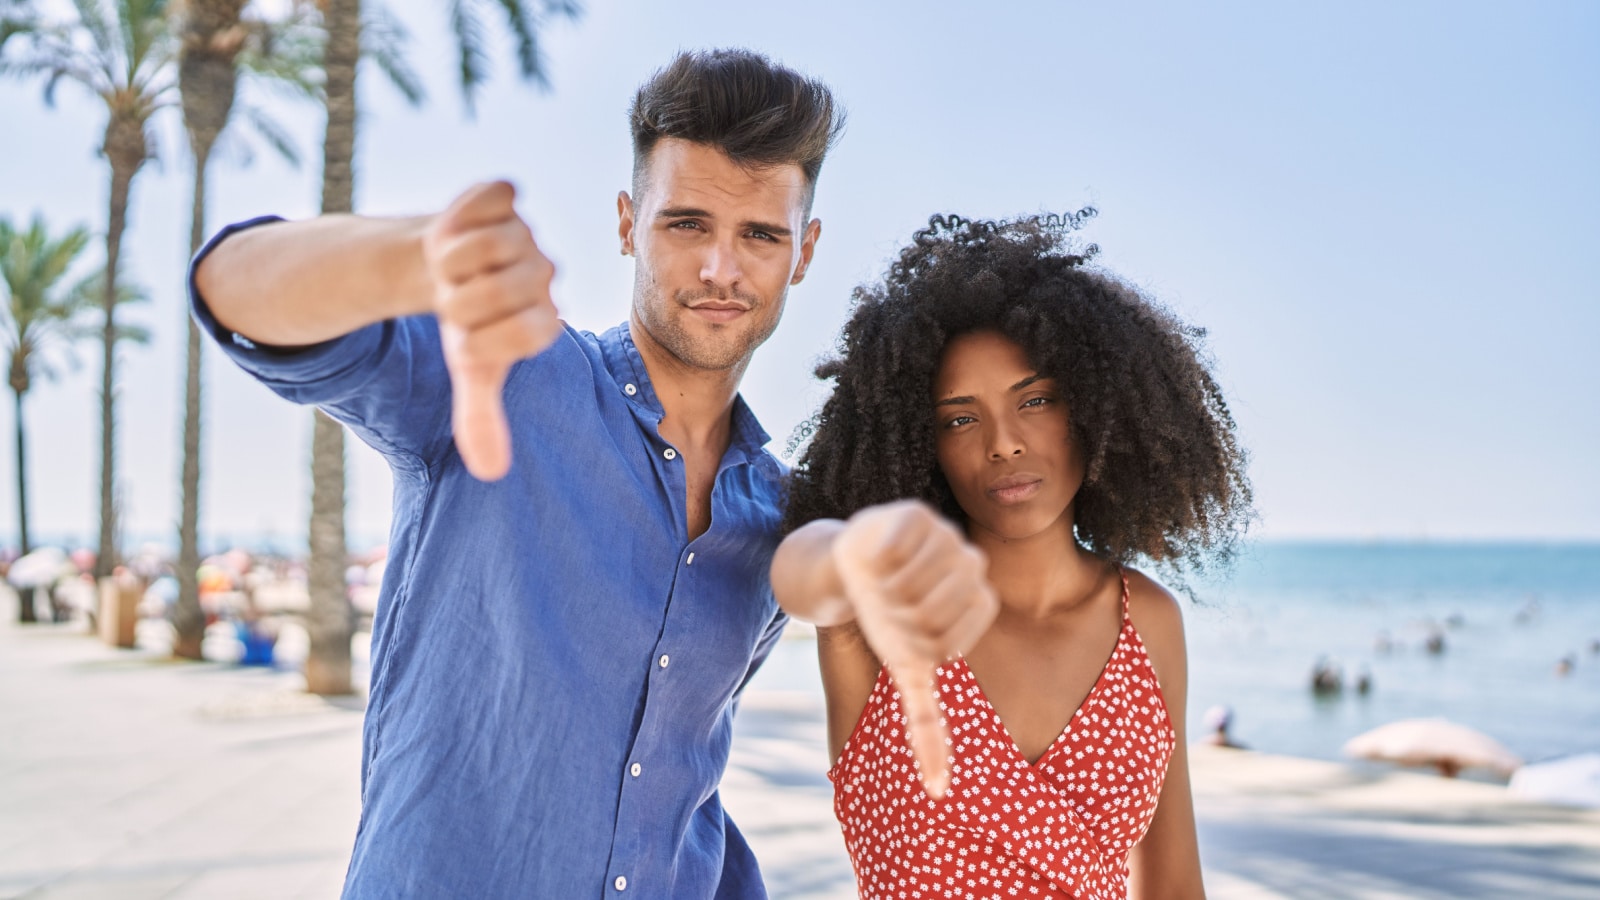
(188, 618)
(330, 620)
(21, 476)
(208, 79)
(121, 188)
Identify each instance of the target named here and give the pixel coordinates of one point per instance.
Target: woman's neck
(1043, 574)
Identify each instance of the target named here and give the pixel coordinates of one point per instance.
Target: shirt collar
(622, 358)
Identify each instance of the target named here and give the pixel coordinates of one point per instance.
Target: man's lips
(1011, 489)
(719, 311)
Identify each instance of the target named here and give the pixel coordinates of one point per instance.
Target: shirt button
(670, 453)
(635, 769)
(662, 662)
(621, 883)
(629, 389)
(690, 560)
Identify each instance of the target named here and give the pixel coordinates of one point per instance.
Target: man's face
(717, 246)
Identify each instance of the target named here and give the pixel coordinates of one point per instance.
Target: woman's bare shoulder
(1158, 617)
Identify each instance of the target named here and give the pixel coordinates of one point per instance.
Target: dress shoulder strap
(1123, 573)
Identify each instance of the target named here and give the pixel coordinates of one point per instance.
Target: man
(583, 524)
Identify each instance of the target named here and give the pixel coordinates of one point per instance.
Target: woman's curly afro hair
(1165, 474)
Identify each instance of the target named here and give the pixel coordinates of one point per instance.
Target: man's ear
(625, 222)
(808, 246)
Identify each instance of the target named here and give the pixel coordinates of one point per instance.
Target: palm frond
(525, 20)
(151, 33)
(472, 60)
(525, 32)
(90, 291)
(285, 53)
(52, 58)
(233, 149)
(384, 40)
(32, 263)
(92, 16)
(131, 333)
(16, 17)
(273, 132)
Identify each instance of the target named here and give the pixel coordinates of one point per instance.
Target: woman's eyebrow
(958, 401)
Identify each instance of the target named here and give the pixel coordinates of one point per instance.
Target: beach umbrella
(39, 568)
(1440, 743)
(1571, 780)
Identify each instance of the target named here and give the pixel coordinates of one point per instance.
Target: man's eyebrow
(768, 227)
(683, 212)
(694, 212)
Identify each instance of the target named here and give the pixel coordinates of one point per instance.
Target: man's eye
(762, 236)
(686, 224)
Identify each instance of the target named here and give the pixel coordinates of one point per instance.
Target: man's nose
(720, 266)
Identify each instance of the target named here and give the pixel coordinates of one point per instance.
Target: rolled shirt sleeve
(386, 381)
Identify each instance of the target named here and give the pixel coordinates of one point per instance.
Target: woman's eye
(958, 421)
(1037, 401)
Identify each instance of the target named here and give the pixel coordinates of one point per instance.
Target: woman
(1050, 425)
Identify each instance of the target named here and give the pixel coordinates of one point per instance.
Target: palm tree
(32, 263)
(217, 42)
(122, 52)
(330, 622)
(40, 323)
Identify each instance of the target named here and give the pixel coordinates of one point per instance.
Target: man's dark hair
(1164, 473)
(760, 114)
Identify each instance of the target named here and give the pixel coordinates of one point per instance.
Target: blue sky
(1383, 213)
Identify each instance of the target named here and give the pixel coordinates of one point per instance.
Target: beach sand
(124, 775)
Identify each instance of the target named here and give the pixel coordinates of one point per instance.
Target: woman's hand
(920, 595)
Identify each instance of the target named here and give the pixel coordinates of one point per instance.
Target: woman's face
(1004, 442)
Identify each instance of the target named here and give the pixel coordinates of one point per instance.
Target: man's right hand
(492, 297)
(921, 595)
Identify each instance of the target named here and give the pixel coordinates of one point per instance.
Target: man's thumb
(480, 205)
(478, 421)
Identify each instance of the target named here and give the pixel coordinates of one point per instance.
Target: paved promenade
(123, 775)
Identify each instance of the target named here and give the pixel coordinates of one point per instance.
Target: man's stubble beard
(665, 321)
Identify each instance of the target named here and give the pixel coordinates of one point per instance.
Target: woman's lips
(1015, 488)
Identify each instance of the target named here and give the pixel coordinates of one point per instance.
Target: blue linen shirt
(555, 665)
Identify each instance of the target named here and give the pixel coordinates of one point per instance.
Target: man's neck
(696, 403)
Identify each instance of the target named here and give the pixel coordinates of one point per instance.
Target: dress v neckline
(1072, 720)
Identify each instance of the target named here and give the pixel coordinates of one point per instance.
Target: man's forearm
(298, 283)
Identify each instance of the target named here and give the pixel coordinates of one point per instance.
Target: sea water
(1508, 615)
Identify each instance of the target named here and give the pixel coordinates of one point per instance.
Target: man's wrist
(412, 293)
